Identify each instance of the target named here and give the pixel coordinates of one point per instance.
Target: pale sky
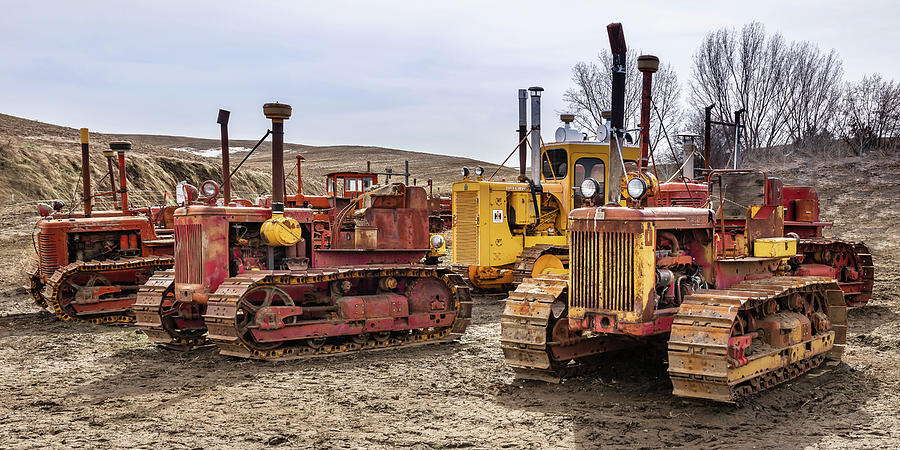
(437, 77)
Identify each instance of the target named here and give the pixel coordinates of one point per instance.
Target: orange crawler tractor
(742, 308)
(91, 264)
(276, 282)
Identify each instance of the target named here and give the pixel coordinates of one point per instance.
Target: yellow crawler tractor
(504, 231)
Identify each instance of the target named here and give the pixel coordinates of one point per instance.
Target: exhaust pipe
(617, 119)
(226, 164)
(278, 113)
(648, 65)
(86, 172)
(523, 132)
(536, 136)
(120, 147)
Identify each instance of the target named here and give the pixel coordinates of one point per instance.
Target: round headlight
(210, 188)
(636, 188)
(437, 241)
(479, 171)
(465, 171)
(590, 187)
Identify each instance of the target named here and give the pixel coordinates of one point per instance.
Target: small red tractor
(277, 283)
(91, 263)
(741, 306)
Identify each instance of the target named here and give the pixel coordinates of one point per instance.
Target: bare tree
(745, 70)
(814, 94)
(593, 85)
(871, 115)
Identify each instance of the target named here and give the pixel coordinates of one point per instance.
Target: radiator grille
(603, 269)
(49, 254)
(465, 230)
(188, 254)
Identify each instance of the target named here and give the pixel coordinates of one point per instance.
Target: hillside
(42, 161)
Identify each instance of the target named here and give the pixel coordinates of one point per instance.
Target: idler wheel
(251, 303)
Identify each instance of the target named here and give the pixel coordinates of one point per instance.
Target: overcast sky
(428, 76)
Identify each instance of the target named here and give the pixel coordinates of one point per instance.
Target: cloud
(428, 76)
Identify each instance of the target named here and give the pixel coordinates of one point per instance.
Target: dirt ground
(71, 385)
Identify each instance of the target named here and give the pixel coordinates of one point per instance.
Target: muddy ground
(71, 385)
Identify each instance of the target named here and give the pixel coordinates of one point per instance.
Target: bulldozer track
(701, 360)
(148, 310)
(524, 264)
(51, 290)
(525, 331)
(35, 287)
(222, 312)
(857, 291)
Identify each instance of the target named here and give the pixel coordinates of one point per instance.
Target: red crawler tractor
(91, 264)
(848, 262)
(274, 283)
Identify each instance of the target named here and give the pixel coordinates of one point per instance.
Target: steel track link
(149, 314)
(223, 306)
(699, 361)
(51, 290)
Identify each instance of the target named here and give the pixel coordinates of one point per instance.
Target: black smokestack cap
(619, 50)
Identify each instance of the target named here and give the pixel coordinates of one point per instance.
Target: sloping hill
(42, 161)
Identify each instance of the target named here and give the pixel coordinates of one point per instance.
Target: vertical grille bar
(49, 254)
(603, 268)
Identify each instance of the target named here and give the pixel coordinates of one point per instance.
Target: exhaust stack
(536, 136)
(120, 147)
(86, 172)
(226, 164)
(278, 113)
(648, 65)
(617, 119)
(523, 132)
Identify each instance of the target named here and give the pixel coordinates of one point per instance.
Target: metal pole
(86, 171)
(406, 172)
(707, 139)
(737, 138)
(523, 132)
(299, 177)
(112, 177)
(222, 120)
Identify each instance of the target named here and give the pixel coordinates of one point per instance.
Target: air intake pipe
(278, 113)
(536, 136)
(86, 172)
(279, 231)
(617, 119)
